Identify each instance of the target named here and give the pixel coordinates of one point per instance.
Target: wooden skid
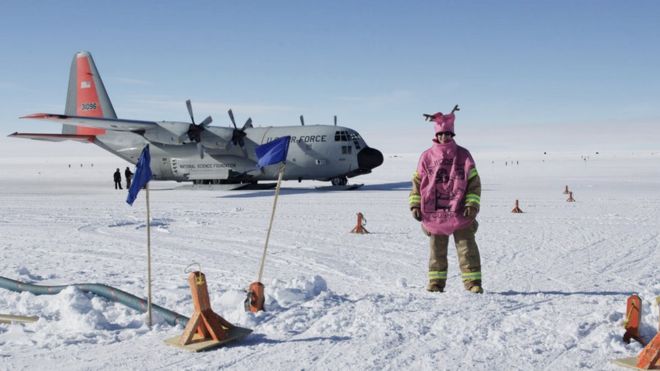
(8, 318)
(630, 362)
(197, 345)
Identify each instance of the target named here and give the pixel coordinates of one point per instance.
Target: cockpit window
(341, 136)
(355, 137)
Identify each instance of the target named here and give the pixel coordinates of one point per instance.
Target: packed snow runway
(556, 277)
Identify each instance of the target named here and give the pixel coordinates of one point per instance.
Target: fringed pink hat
(442, 122)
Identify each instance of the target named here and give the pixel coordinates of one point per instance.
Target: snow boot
(474, 286)
(436, 285)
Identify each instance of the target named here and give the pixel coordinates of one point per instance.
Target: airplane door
(346, 150)
(175, 168)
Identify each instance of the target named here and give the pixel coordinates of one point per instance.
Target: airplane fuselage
(320, 152)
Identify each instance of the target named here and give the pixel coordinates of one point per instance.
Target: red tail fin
(86, 95)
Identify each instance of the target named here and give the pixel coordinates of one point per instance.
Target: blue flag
(272, 152)
(142, 175)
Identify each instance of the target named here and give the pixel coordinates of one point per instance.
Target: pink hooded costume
(444, 170)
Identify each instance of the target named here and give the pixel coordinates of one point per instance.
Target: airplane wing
(153, 131)
(54, 137)
(176, 128)
(95, 122)
(224, 133)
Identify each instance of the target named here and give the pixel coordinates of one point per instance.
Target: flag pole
(270, 225)
(142, 176)
(270, 153)
(146, 187)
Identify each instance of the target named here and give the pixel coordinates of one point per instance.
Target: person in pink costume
(445, 197)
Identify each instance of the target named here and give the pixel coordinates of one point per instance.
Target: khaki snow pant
(468, 256)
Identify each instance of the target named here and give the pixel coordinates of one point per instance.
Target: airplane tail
(86, 95)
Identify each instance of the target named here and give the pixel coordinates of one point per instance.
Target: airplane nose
(369, 158)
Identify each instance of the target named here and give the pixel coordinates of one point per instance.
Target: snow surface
(556, 277)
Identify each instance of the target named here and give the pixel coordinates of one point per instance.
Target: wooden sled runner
(648, 358)
(205, 329)
(9, 318)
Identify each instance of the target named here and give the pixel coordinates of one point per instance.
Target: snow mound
(295, 291)
(73, 310)
(280, 295)
(71, 317)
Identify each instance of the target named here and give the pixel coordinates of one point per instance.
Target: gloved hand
(417, 214)
(470, 212)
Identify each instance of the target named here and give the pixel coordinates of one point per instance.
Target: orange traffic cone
(570, 197)
(566, 191)
(516, 209)
(361, 222)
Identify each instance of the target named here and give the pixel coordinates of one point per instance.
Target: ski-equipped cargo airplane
(190, 151)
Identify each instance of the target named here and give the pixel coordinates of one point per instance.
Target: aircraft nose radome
(369, 158)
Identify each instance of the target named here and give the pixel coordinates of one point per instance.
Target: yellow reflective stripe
(438, 275)
(414, 199)
(471, 276)
(473, 173)
(415, 175)
(471, 198)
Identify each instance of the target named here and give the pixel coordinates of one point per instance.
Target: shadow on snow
(563, 293)
(254, 339)
(394, 186)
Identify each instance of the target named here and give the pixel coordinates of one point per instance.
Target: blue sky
(529, 75)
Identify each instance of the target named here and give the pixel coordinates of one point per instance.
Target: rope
(187, 270)
(270, 225)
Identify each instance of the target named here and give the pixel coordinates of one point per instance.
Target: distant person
(117, 177)
(129, 175)
(445, 197)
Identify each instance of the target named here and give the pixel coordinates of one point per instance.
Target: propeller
(195, 130)
(302, 120)
(335, 120)
(238, 134)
